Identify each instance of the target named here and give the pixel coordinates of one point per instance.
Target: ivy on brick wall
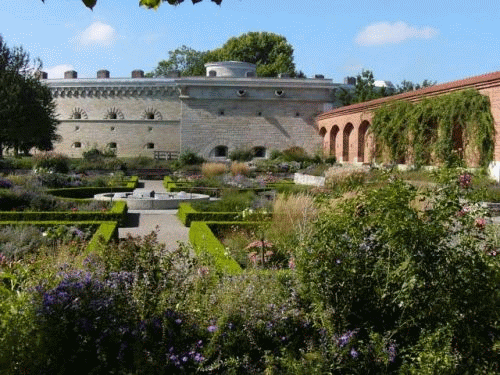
(449, 129)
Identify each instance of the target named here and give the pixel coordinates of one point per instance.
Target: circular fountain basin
(144, 199)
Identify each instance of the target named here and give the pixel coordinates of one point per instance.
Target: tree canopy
(27, 109)
(185, 60)
(150, 4)
(270, 52)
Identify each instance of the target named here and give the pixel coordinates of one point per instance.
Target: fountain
(145, 199)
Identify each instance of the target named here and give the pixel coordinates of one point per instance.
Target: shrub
(295, 153)
(190, 158)
(52, 162)
(213, 169)
(380, 266)
(239, 169)
(242, 154)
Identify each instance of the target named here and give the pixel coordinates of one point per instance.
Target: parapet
(233, 69)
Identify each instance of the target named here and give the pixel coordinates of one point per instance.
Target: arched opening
(112, 116)
(322, 134)
(112, 145)
(345, 142)
(259, 152)
(362, 142)
(150, 145)
(220, 151)
(77, 116)
(333, 140)
(77, 145)
(457, 137)
(150, 116)
(212, 73)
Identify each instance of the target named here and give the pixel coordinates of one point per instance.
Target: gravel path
(143, 222)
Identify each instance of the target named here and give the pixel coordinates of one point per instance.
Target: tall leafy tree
(407, 86)
(27, 109)
(185, 60)
(270, 52)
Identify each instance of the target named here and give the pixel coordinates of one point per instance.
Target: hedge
(187, 214)
(90, 191)
(204, 241)
(117, 213)
(106, 233)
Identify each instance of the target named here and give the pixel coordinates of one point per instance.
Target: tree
(150, 4)
(270, 52)
(27, 109)
(364, 90)
(185, 60)
(407, 86)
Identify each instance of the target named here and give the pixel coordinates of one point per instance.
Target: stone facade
(211, 115)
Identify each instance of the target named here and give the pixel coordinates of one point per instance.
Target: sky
(438, 40)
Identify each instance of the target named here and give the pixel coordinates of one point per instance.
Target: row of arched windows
(221, 151)
(114, 145)
(116, 114)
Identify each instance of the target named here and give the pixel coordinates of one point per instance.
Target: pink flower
(291, 263)
(480, 223)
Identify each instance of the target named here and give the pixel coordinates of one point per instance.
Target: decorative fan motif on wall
(113, 114)
(151, 114)
(78, 114)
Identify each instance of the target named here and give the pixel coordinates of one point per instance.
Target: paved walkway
(143, 222)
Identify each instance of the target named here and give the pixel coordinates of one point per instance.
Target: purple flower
(354, 353)
(345, 338)
(178, 321)
(198, 357)
(212, 328)
(392, 352)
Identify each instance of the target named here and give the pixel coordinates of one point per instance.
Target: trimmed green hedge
(187, 214)
(106, 233)
(204, 241)
(117, 213)
(90, 191)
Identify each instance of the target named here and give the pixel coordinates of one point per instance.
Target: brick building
(345, 130)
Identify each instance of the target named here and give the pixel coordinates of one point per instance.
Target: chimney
(70, 74)
(319, 76)
(138, 73)
(41, 75)
(349, 80)
(103, 73)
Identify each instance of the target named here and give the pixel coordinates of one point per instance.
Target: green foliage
(188, 214)
(190, 158)
(242, 154)
(379, 264)
(58, 163)
(149, 4)
(28, 114)
(270, 52)
(295, 153)
(428, 130)
(184, 60)
(407, 86)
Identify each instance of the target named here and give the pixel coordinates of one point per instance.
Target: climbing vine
(448, 129)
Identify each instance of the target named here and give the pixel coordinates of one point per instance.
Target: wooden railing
(166, 155)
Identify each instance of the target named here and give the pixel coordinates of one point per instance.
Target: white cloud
(386, 33)
(97, 34)
(58, 70)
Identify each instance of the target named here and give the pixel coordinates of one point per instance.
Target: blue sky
(440, 40)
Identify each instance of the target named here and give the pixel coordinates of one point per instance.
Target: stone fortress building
(228, 109)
